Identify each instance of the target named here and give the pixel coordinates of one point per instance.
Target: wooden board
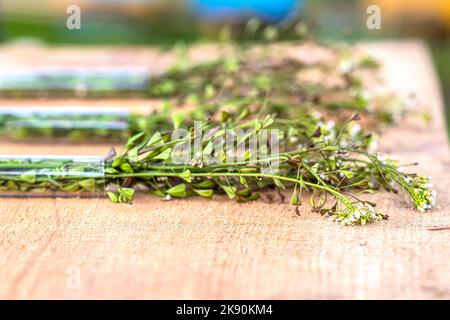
(195, 248)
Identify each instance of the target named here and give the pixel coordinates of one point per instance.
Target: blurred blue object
(242, 10)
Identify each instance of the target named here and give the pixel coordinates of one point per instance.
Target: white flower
(330, 124)
(354, 130)
(381, 157)
(346, 66)
(373, 146)
(360, 213)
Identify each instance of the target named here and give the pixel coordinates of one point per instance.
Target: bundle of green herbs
(260, 122)
(336, 85)
(242, 154)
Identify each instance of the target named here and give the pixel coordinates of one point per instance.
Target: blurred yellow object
(436, 10)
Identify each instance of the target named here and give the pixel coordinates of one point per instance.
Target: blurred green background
(166, 22)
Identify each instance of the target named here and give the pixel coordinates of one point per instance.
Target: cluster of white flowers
(372, 146)
(360, 213)
(419, 187)
(354, 129)
(424, 196)
(387, 159)
(328, 130)
(346, 65)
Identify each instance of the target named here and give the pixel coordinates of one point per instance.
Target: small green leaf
(77, 169)
(209, 91)
(117, 162)
(158, 192)
(247, 155)
(312, 201)
(220, 133)
(370, 191)
(156, 137)
(133, 154)
(74, 187)
(163, 155)
(244, 192)
(278, 183)
(268, 121)
(178, 191)
(110, 170)
(126, 167)
(257, 125)
(134, 139)
(243, 181)
(244, 113)
(208, 148)
(207, 193)
(205, 184)
(88, 184)
(192, 99)
(230, 191)
(262, 82)
(127, 193)
(23, 187)
(29, 176)
(225, 116)
(12, 186)
(348, 174)
(314, 168)
(252, 197)
(329, 148)
(186, 176)
(114, 198)
(231, 64)
(177, 120)
(294, 198)
(166, 106)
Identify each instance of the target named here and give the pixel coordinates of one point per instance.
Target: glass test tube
(67, 123)
(86, 81)
(55, 176)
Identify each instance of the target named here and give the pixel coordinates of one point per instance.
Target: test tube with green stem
(68, 123)
(87, 124)
(73, 81)
(60, 176)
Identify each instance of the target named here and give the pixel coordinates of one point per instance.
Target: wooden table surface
(195, 248)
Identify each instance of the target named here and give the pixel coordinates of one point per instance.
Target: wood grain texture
(217, 249)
